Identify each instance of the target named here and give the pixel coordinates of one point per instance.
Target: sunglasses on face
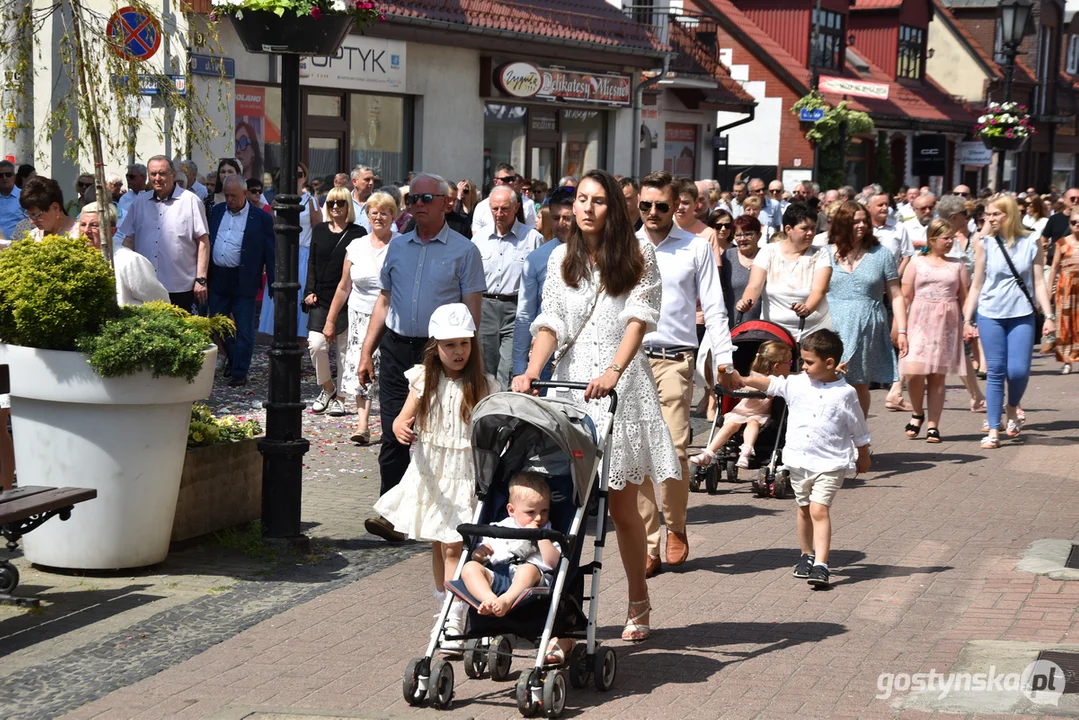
(721, 226)
(1073, 198)
(963, 194)
(243, 143)
(425, 198)
(336, 203)
(254, 190)
(84, 185)
(132, 176)
(506, 179)
(301, 173)
(775, 192)
(1074, 223)
(661, 207)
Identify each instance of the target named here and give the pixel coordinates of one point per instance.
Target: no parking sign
(135, 35)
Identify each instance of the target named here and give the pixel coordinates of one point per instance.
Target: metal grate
(1073, 558)
(1068, 662)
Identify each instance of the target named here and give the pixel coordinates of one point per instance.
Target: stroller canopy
(514, 427)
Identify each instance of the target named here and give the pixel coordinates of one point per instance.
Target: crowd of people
(431, 297)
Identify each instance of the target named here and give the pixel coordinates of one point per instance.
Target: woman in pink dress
(935, 288)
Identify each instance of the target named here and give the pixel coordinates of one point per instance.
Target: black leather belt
(678, 354)
(503, 298)
(405, 338)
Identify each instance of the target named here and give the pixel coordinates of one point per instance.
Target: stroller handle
(545, 384)
(741, 393)
(505, 533)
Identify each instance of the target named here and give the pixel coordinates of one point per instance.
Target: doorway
(543, 163)
(325, 134)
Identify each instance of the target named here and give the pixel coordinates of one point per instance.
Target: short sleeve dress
(437, 492)
(858, 315)
(934, 320)
(641, 443)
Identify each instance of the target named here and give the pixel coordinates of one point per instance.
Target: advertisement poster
(258, 137)
(680, 149)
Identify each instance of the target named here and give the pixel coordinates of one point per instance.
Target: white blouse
(366, 266)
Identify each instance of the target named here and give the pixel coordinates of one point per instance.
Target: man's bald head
(701, 209)
(503, 201)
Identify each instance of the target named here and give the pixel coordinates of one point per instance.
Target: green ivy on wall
(838, 122)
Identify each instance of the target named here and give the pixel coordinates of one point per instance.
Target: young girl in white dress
(437, 492)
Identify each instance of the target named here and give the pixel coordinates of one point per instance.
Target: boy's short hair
(533, 481)
(824, 344)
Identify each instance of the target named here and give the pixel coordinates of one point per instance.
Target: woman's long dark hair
(618, 257)
(474, 383)
(841, 230)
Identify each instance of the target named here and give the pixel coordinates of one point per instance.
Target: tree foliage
(839, 122)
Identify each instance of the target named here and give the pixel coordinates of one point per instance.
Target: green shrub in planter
(158, 337)
(53, 292)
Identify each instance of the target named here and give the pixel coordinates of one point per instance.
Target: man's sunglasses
(661, 207)
(776, 192)
(507, 178)
(425, 198)
(336, 203)
(132, 176)
(84, 185)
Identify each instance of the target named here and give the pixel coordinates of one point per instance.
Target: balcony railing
(692, 35)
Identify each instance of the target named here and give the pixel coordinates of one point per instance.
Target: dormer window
(911, 53)
(829, 44)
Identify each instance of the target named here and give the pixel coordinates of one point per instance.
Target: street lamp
(1014, 17)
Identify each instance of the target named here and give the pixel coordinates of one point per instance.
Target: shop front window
(582, 141)
(504, 132)
(378, 135)
(257, 131)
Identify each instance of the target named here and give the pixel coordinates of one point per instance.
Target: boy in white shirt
(823, 420)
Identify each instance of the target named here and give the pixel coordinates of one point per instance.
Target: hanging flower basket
(1004, 126)
(313, 28)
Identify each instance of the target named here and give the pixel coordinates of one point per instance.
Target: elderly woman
(737, 266)
(721, 222)
(359, 289)
(1008, 287)
(793, 275)
(136, 279)
(752, 207)
(329, 243)
(43, 202)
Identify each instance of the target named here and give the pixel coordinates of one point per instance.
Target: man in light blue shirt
(530, 297)
(424, 269)
(11, 211)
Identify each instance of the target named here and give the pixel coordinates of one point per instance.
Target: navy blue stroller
(513, 432)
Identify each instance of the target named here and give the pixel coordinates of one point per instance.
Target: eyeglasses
(34, 217)
(661, 207)
(506, 179)
(243, 143)
(336, 203)
(425, 198)
(745, 236)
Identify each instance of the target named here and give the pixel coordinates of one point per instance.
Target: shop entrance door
(543, 163)
(325, 153)
(325, 135)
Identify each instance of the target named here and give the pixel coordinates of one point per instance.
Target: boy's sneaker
(818, 576)
(805, 563)
(336, 408)
(323, 399)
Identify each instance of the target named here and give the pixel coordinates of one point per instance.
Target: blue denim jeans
(1009, 345)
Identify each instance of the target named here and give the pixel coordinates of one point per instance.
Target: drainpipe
(718, 133)
(638, 100)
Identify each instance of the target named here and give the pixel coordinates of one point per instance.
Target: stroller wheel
(526, 704)
(579, 670)
(732, 471)
(499, 658)
(711, 479)
(475, 659)
(781, 485)
(695, 480)
(554, 694)
(414, 690)
(760, 485)
(605, 669)
(441, 691)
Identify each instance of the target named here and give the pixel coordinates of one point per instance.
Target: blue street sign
(211, 65)
(811, 115)
(151, 84)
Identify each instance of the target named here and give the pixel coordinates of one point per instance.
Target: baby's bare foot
(502, 606)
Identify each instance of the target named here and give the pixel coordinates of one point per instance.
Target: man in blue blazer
(241, 245)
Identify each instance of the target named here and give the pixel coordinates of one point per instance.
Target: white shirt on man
(916, 232)
(822, 422)
(482, 217)
(894, 236)
(230, 237)
(504, 256)
(688, 271)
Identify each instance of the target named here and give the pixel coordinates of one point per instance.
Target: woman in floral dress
(601, 297)
(1065, 275)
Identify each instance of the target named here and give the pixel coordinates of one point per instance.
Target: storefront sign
(523, 80)
(680, 149)
(927, 154)
(856, 88)
(973, 153)
(362, 63)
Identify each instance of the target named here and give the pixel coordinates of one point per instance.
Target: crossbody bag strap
(1015, 273)
(561, 352)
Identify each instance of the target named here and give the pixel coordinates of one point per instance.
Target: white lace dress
(437, 492)
(641, 444)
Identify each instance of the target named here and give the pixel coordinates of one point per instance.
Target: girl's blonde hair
(1011, 228)
(937, 229)
(768, 354)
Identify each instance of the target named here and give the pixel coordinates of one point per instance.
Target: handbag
(1015, 274)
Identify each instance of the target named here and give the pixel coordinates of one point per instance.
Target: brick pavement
(925, 549)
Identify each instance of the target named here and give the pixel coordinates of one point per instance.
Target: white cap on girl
(451, 322)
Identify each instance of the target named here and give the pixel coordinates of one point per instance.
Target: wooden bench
(25, 508)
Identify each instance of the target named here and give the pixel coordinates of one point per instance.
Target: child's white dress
(437, 492)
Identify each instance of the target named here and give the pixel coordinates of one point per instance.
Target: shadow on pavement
(716, 513)
(67, 612)
(752, 561)
(892, 464)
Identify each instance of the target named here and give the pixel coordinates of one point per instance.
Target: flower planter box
(1004, 143)
(262, 31)
(124, 437)
(221, 487)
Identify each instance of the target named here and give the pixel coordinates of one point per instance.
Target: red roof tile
(763, 40)
(586, 21)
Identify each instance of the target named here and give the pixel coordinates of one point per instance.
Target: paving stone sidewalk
(924, 560)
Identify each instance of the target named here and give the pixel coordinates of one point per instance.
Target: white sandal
(703, 459)
(634, 631)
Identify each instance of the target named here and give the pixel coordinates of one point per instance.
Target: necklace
(849, 262)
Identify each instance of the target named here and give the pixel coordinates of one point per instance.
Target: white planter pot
(125, 437)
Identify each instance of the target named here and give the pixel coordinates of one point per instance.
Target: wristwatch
(616, 367)
(1051, 316)
(727, 369)
(200, 281)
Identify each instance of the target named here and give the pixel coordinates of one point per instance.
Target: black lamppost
(1014, 17)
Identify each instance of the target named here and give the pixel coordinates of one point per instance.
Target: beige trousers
(674, 383)
(319, 350)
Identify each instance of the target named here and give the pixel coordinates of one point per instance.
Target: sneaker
(801, 570)
(335, 409)
(455, 625)
(818, 576)
(323, 399)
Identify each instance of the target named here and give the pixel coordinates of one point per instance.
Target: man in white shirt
(191, 173)
(916, 227)
(892, 235)
(363, 184)
(483, 221)
(776, 204)
(504, 249)
(136, 184)
(689, 273)
(739, 193)
(905, 209)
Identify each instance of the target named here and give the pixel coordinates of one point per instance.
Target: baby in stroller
(773, 358)
(500, 570)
